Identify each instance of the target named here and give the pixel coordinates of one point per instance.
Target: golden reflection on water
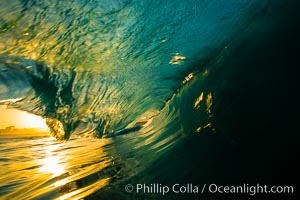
(177, 59)
(52, 163)
(46, 169)
(198, 100)
(81, 193)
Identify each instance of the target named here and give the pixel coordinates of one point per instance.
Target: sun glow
(52, 163)
(21, 119)
(33, 121)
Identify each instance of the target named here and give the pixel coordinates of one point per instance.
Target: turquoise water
(99, 66)
(148, 92)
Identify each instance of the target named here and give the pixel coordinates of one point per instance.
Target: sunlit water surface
(42, 168)
(213, 83)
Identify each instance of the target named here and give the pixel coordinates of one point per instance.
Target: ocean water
(42, 168)
(149, 92)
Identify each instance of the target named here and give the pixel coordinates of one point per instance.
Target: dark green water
(214, 85)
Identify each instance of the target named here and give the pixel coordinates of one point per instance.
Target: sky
(20, 119)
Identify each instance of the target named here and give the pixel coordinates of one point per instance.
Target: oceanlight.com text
(250, 189)
(190, 188)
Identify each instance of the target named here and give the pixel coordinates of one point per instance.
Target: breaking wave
(201, 86)
(92, 68)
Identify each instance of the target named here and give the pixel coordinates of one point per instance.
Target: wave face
(95, 67)
(206, 89)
